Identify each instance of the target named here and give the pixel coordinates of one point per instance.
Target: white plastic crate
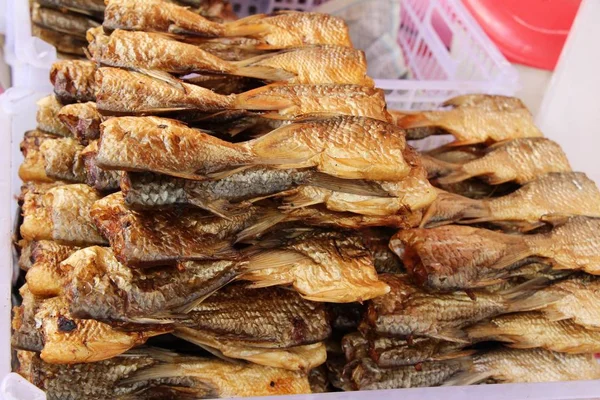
(445, 49)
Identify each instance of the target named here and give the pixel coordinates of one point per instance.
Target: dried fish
(63, 159)
(47, 116)
(408, 310)
(33, 167)
(70, 45)
(564, 194)
(44, 276)
(96, 177)
(533, 329)
(91, 7)
(152, 373)
(125, 92)
(73, 81)
(522, 366)
(82, 120)
(519, 160)
(62, 214)
(62, 22)
(460, 257)
(343, 146)
(472, 119)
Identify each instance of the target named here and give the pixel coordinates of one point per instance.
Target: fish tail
(273, 259)
(245, 29)
(220, 207)
(468, 378)
(202, 340)
(264, 72)
(454, 177)
(408, 120)
(450, 207)
(270, 219)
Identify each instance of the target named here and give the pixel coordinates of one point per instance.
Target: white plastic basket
(445, 50)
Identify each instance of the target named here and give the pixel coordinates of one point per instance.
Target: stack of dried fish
(506, 253)
(209, 188)
(64, 23)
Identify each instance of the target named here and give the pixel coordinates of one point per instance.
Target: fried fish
(461, 257)
(66, 44)
(472, 119)
(342, 146)
(519, 160)
(96, 177)
(63, 214)
(47, 116)
(408, 310)
(73, 81)
(44, 276)
(564, 194)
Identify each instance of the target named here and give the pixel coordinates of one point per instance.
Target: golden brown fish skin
(25, 332)
(533, 329)
(33, 166)
(147, 239)
(570, 246)
(153, 51)
(215, 10)
(67, 44)
(74, 81)
(294, 100)
(82, 120)
(368, 376)
(157, 16)
(324, 267)
(566, 194)
(473, 121)
(297, 29)
(457, 257)
(63, 214)
(63, 159)
(159, 147)
(580, 293)
(486, 102)
(47, 116)
(92, 7)
(124, 91)
(63, 22)
(533, 365)
(45, 277)
(69, 340)
(96, 177)
(319, 65)
(408, 310)
(342, 146)
(519, 160)
(101, 288)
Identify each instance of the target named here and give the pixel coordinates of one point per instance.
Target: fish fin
(265, 73)
(299, 200)
(528, 296)
(462, 142)
(154, 372)
(449, 207)
(468, 378)
(353, 186)
(157, 321)
(219, 207)
(252, 100)
(454, 177)
(272, 218)
(554, 315)
(485, 331)
(246, 29)
(229, 172)
(520, 252)
(164, 77)
(253, 60)
(204, 341)
(452, 335)
(555, 219)
(274, 259)
(454, 355)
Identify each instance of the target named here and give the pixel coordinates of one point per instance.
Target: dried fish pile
(64, 23)
(221, 209)
(500, 281)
